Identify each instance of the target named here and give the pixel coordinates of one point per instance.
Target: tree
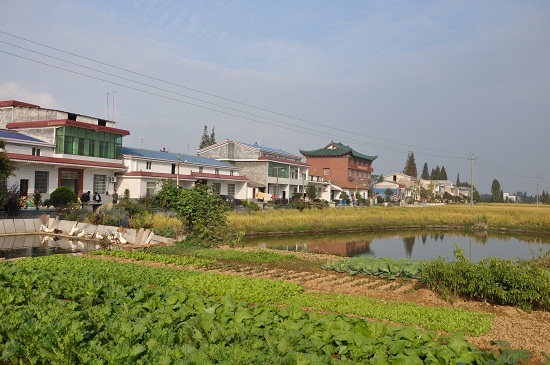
(311, 192)
(436, 173)
(443, 174)
(199, 208)
(458, 179)
(207, 140)
(425, 172)
(410, 166)
(63, 199)
(496, 192)
(7, 167)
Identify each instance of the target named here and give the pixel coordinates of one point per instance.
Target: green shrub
(62, 197)
(497, 281)
(10, 199)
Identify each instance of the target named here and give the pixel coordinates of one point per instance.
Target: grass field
(493, 217)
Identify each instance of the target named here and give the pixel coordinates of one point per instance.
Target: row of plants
(383, 267)
(78, 310)
(249, 289)
(523, 284)
(497, 281)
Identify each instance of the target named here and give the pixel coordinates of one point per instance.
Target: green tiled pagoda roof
(334, 149)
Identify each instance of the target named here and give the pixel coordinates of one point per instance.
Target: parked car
(232, 200)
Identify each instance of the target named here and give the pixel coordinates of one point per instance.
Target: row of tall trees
(207, 139)
(436, 174)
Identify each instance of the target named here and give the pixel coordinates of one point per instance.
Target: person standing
(115, 197)
(85, 198)
(97, 197)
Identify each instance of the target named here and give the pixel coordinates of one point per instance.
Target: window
(326, 172)
(277, 170)
(231, 172)
(86, 142)
(201, 168)
(217, 187)
(150, 189)
(41, 181)
(231, 189)
(148, 165)
(100, 183)
(217, 171)
(35, 151)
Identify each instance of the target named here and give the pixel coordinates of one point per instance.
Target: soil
(522, 330)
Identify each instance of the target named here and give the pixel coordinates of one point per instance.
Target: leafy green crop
(383, 267)
(251, 256)
(154, 257)
(68, 310)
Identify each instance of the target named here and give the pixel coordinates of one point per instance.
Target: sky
(452, 81)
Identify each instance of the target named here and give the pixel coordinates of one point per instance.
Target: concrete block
(148, 239)
(139, 237)
(37, 224)
(9, 226)
(131, 237)
(29, 226)
(19, 225)
(65, 226)
(2, 230)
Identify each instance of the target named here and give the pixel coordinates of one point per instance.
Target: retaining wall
(140, 237)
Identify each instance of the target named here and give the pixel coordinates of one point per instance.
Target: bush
(494, 280)
(62, 197)
(10, 199)
(200, 209)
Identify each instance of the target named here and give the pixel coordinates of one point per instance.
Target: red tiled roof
(64, 161)
(64, 122)
(17, 103)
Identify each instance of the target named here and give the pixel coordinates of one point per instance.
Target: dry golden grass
(516, 217)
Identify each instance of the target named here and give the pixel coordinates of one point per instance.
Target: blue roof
(169, 156)
(269, 149)
(16, 135)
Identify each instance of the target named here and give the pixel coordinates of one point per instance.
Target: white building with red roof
(53, 148)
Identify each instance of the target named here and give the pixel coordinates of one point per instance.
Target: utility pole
(178, 172)
(472, 180)
(537, 177)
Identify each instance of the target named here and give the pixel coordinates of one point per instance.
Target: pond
(415, 245)
(39, 245)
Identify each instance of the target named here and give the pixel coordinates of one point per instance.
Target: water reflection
(39, 245)
(417, 245)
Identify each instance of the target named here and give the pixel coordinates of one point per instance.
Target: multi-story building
(53, 148)
(272, 172)
(344, 167)
(146, 169)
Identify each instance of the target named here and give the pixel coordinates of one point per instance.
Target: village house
(346, 169)
(146, 169)
(52, 148)
(273, 173)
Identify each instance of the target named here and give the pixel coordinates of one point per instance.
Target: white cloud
(12, 91)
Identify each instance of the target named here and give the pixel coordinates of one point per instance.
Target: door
(24, 187)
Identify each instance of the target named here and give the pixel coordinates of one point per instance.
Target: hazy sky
(444, 79)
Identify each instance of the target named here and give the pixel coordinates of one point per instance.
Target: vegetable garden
(155, 309)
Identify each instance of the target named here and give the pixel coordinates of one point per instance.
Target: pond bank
(132, 238)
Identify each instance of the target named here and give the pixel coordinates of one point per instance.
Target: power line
(209, 94)
(304, 130)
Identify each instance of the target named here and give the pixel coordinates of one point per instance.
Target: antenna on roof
(108, 110)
